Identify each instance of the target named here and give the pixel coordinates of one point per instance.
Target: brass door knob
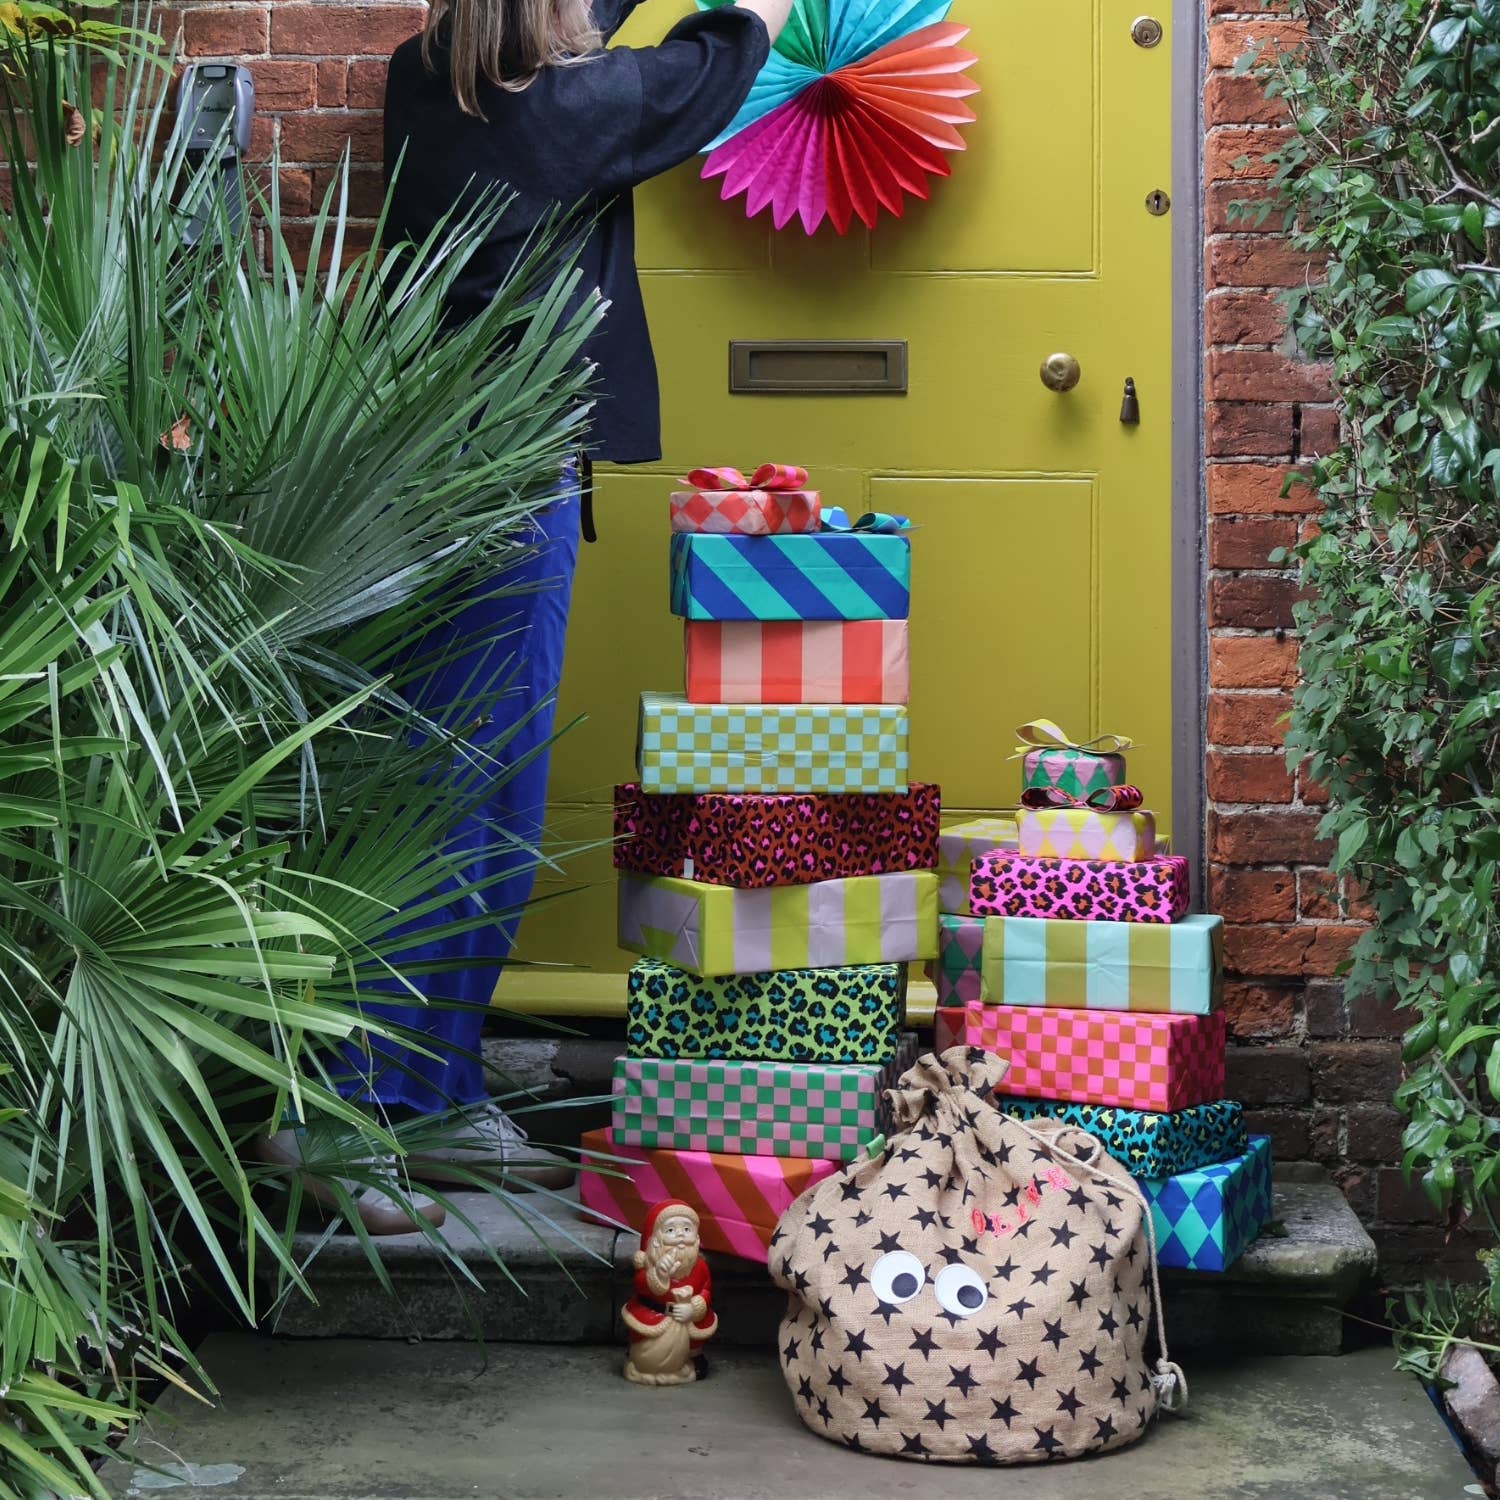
(1061, 372)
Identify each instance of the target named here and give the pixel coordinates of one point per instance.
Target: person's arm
(775, 13)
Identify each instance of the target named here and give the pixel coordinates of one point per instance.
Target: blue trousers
(517, 640)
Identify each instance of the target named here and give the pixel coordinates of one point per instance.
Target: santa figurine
(669, 1317)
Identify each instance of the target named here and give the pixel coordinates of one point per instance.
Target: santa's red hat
(669, 1208)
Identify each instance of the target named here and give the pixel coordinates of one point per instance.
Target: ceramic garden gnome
(669, 1317)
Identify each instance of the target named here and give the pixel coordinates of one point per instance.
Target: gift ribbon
(1043, 734)
(836, 519)
(1105, 799)
(767, 477)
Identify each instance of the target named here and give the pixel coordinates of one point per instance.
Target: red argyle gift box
(1006, 884)
(1120, 1059)
(753, 842)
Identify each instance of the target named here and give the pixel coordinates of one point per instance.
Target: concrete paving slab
(355, 1420)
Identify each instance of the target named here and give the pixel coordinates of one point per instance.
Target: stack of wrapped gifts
(1077, 961)
(777, 871)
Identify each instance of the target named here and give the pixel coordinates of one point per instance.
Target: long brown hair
(507, 42)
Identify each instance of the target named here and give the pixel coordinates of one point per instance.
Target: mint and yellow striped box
(1085, 833)
(958, 848)
(1141, 966)
(771, 747)
(716, 930)
(754, 1108)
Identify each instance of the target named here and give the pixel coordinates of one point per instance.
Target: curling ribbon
(835, 519)
(1043, 734)
(767, 477)
(1105, 799)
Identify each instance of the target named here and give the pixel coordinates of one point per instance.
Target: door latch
(1130, 407)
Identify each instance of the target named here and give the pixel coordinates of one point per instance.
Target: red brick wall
(1316, 1068)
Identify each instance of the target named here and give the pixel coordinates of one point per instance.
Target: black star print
(1022, 1230)
(1043, 1274)
(1062, 1236)
(885, 1312)
(1046, 1440)
(1078, 1198)
(1005, 1411)
(799, 1280)
(937, 1411)
(952, 1319)
(932, 1179)
(1054, 1333)
(1020, 1307)
(1100, 1257)
(895, 1190)
(826, 1308)
(1112, 1200)
(1130, 1256)
(1002, 1155)
(924, 1343)
(874, 1411)
(861, 1219)
(990, 1342)
(945, 1221)
(896, 1375)
(819, 1225)
(964, 1381)
(856, 1344)
(847, 1191)
(1134, 1317)
(790, 1352)
(908, 1153)
(824, 1412)
(805, 1390)
(913, 1444)
(1106, 1429)
(888, 1242)
(837, 1379)
(1068, 1401)
(1089, 1361)
(1107, 1322)
(816, 1346)
(924, 1218)
(853, 1443)
(1080, 1293)
(853, 1277)
(979, 1448)
(1109, 1228)
(952, 1255)
(1029, 1371)
(1004, 1272)
(830, 1250)
(1122, 1390)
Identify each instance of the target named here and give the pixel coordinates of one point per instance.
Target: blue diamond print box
(1205, 1220)
(826, 576)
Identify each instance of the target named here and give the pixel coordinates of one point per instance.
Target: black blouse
(579, 135)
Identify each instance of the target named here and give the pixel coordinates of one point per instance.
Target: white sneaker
(489, 1141)
(380, 1212)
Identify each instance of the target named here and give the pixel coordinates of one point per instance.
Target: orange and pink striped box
(798, 661)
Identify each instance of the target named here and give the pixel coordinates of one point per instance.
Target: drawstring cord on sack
(1167, 1380)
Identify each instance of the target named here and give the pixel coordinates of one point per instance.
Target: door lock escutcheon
(1145, 31)
(1157, 202)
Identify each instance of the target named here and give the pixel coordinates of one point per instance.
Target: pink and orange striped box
(738, 1198)
(798, 661)
(1122, 1059)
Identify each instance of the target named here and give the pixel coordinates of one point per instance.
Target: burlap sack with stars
(980, 1292)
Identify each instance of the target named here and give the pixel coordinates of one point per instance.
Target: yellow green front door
(1041, 573)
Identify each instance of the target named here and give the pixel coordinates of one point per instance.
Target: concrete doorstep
(354, 1420)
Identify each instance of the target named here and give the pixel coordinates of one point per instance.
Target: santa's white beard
(667, 1265)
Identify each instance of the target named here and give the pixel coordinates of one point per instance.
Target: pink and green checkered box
(750, 1108)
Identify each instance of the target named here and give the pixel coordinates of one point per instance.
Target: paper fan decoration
(857, 107)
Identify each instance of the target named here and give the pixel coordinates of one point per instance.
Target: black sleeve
(611, 15)
(692, 86)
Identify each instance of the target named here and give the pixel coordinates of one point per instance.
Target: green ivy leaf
(1423, 288)
(1446, 35)
(1351, 841)
(1452, 658)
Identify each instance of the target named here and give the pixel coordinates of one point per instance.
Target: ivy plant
(1391, 181)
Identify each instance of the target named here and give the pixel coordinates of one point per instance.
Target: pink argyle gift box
(1007, 884)
(746, 512)
(1120, 1059)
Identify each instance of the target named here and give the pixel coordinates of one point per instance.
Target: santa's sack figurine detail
(670, 1316)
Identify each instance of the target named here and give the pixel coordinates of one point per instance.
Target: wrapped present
(845, 1015)
(775, 499)
(1006, 884)
(958, 970)
(752, 841)
(1148, 1143)
(797, 661)
(714, 929)
(755, 747)
(1137, 966)
(958, 848)
(1095, 1056)
(828, 576)
(1085, 833)
(738, 1198)
(1205, 1220)
(782, 1109)
(1050, 759)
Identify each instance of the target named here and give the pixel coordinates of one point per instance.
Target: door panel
(1041, 573)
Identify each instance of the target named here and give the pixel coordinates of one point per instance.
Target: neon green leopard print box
(844, 1015)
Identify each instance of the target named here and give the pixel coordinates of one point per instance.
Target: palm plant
(234, 495)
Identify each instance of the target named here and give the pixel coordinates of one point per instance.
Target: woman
(521, 93)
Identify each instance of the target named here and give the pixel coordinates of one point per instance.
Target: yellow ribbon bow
(1043, 734)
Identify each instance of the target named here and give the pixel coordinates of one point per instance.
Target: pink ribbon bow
(1105, 799)
(767, 477)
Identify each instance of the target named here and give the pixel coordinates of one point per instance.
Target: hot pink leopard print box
(1007, 884)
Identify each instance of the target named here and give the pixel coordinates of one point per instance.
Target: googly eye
(959, 1291)
(897, 1277)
